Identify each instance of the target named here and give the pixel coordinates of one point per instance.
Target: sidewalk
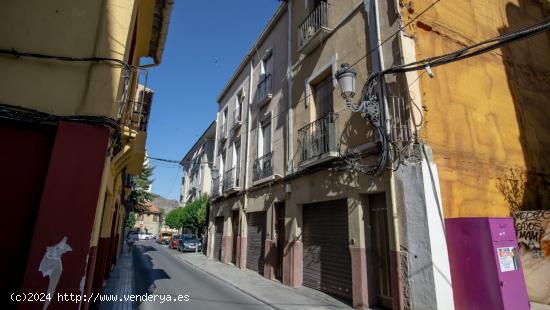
(270, 292)
(121, 282)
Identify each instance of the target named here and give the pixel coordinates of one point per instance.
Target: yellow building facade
(75, 122)
(486, 117)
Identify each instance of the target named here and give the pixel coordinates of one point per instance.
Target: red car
(174, 242)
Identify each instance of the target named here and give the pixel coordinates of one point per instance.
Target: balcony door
(222, 164)
(323, 97)
(237, 161)
(239, 107)
(264, 137)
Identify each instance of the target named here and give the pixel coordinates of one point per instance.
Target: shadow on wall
(527, 67)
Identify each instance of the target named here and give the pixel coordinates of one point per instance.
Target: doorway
(279, 229)
(378, 253)
(235, 222)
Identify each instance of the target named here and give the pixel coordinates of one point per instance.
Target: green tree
(174, 218)
(194, 214)
(140, 194)
(131, 221)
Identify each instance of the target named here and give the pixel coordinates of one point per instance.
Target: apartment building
(197, 167)
(251, 151)
(74, 130)
(353, 200)
(288, 201)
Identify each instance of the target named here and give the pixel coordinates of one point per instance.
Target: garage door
(327, 259)
(256, 240)
(218, 238)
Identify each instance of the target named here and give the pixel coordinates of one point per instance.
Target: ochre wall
(64, 28)
(488, 114)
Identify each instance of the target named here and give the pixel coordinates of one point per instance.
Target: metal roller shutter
(327, 258)
(218, 238)
(256, 240)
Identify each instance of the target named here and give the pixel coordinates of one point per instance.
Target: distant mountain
(166, 204)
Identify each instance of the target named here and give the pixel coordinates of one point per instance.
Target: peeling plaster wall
(489, 113)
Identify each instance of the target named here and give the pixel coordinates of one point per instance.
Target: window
(264, 136)
(313, 3)
(224, 122)
(267, 66)
(239, 106)
(323, 97)
(222, 162)
(237, 160)
(265, 81)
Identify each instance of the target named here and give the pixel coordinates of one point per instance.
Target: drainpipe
(372, 8)
(247, 149)
(289, 77)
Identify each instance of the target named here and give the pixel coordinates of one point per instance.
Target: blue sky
(206, 42)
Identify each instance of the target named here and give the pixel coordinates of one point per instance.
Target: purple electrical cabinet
(485, 266)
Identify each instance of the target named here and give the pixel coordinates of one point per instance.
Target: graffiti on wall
(533, 233)
(530, 227)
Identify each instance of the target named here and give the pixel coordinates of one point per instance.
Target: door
(280, 237)
(378, 254)
(327, 258)
(255, 250)
(235, 222)
(218, 238)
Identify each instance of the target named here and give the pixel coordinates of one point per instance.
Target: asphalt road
(159, 271)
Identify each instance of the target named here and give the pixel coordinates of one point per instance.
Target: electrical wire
(18, 54)
(171, 161)
(469, 51)
(395, 33)
(173, 182)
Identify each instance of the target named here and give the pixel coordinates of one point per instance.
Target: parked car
(190, 243)
(145, 236)
(164, 237)
(174, 242)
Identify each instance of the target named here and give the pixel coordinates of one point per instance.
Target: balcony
(264, 92)
(134, 115)
(314, 28)
(231, 181)
(216, 187)
(237, 119)
(262, 168)
(317, 141)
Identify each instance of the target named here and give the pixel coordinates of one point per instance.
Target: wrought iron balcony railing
(231, 179)
(316, 20)
(318, 138)
(263, 167)
(134, 115)
(216, 187)
(264, 92)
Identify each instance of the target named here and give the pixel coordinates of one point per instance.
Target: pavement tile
(120, 283)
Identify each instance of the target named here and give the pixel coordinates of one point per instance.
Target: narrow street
(159, 270)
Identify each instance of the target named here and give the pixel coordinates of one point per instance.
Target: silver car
(190, 243)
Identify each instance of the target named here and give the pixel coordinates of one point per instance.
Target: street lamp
(346, 78)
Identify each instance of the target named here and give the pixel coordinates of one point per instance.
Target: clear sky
(206, 42)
